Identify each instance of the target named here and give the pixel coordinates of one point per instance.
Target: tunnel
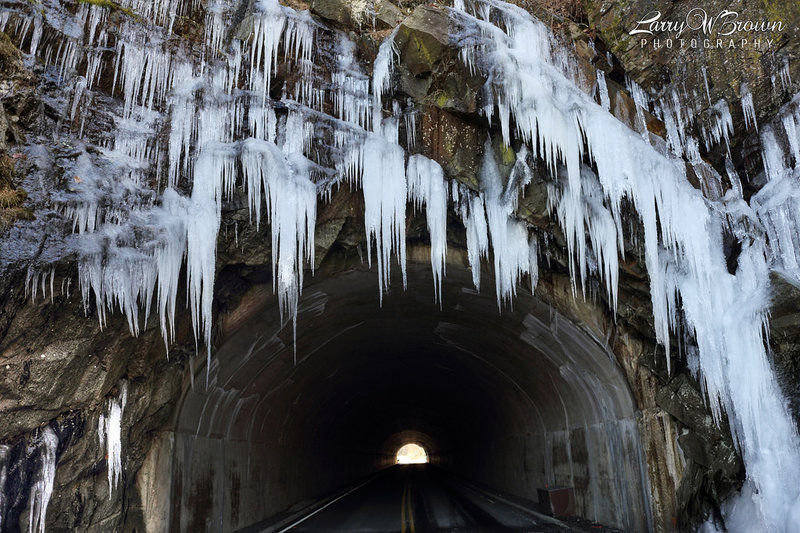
(513, 398)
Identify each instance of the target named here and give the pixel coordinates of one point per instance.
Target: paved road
(419, 498)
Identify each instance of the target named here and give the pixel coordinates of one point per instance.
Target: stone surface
(422, 39)
(663, 68)
(82, 365)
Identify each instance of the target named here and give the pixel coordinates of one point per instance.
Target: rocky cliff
(88, 143)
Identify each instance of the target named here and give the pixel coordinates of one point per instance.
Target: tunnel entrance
(412, 454)
(514, 400)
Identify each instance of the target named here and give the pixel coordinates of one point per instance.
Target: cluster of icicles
(41, 451)
(223, 130)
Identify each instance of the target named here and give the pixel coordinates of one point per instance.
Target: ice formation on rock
(427, 186)
(602, 90)
(683, 250)
(748, 109)
(3, 475)
(42, 488)
(191, 131)
(110, 432)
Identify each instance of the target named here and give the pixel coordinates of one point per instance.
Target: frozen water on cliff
(110, 433)
(385, 190)
(747, 107)
(189, 128)
(778, 202)
(473, 215)
(514, 255)
(427, 186)
(602, 90)
(42, 488)
(683, 248)
(3, 475)
(721, 127)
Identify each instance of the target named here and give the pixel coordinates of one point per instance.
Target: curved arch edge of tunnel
(511, 400)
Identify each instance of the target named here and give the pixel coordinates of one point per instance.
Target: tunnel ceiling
(406, 365)
(497, 396)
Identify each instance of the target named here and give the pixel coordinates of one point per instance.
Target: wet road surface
(420, 498)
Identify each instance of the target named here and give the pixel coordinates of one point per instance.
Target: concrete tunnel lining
(513, 400)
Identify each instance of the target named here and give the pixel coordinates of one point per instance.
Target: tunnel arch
(514, 400)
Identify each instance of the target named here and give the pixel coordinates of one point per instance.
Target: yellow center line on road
(407, 518)
(403, 509)
(410, 509)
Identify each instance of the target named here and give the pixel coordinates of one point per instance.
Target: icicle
(747, 108)
(215, 25)
(721, 126)
(202, 227)
(426, 185)
(80, 86)
(160, 11)
(291, 208)
(411, 128)
(642, 102)
(144, 72)
(705, 83)
(110, 434)
(602, 90)
(509, 237)
(42, 489)
(473, 215)
(790, 126)
(733, 177)
(382, 73)
(267, 30)
(778, 206)
(590, 216)
(682, 246)
(785, 74)
(4, 449)
(36, 36)
(351, 96)
(385, 191)
(181, 121)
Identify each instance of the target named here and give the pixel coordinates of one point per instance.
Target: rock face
(762, 62)
(57, 367)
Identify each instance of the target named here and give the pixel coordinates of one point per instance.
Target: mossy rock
(422, 39)
(12, 198)
(10, 56)
(111, 5)
(341, 12)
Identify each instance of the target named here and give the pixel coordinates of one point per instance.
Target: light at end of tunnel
(412, 454)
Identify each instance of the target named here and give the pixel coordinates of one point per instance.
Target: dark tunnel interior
(514, 400)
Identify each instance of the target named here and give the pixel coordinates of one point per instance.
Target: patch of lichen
(11, 197)
(781, 11)
(611, 25)
(189, 29)
(9, 54)
(111, 5)
(507, 154)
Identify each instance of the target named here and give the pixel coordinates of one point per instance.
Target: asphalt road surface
(419, 498)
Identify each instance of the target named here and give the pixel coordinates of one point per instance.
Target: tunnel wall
(514, 401)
